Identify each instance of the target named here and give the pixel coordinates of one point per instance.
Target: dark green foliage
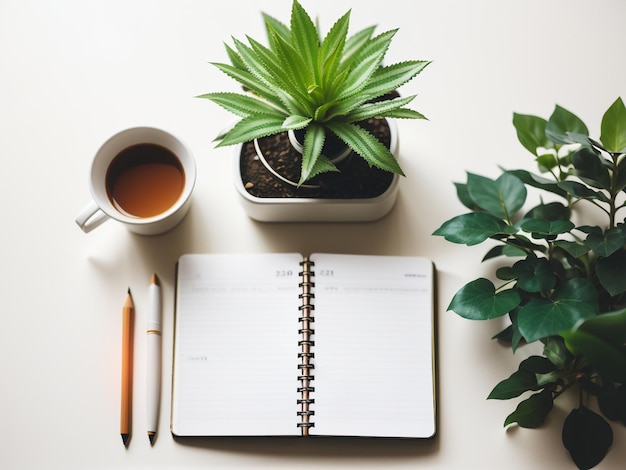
(565, 282)
(587, 437)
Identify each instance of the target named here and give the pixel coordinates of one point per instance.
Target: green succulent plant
(565, 283)
(324, 85)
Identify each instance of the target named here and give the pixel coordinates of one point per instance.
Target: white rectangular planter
(318, 209)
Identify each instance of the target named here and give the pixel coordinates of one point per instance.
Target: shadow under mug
(101, 208)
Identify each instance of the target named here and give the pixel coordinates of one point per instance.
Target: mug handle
(91, 217)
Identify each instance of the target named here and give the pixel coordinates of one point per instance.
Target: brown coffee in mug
(142, 177)
(144, 180)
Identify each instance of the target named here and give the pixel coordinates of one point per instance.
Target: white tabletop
(75, 72)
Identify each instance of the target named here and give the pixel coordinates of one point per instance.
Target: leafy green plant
(324, 85)
(565, 283)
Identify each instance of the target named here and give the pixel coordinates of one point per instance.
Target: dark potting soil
(355, 179)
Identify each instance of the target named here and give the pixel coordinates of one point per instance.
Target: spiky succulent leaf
(313, 162)
(366, 63)
(366, 145)
(355, 42)
(300, 77)
(332, 50)
(275, 27)
(294, 75)
(387, 79)
(405, 113)
(255, 61)
(277, 68)
(379, 109)
(250, 128)
(248, 81)
(241, 105)
(305, 38)
(296, 122)
(234, 58)
(322, 165)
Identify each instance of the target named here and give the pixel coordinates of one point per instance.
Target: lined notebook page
(373, 346)
(236, 345)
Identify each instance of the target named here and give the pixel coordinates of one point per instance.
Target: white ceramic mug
(101, 208)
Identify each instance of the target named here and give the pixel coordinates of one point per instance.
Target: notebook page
(373, 346)
(236, 345)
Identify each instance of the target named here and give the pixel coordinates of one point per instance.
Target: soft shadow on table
(320, 448)
(390, 235)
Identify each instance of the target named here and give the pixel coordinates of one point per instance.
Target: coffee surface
(145, 180)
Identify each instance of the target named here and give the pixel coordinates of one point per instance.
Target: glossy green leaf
(546, 162)
(545, 227)
(571, 302)
(463, 194)
(610, 326)
(589, 228)
(532, 412)
(581, 191)
(549, 211)
(519, 382)
(531, 132)
(534, 274)
(517, 337)
(577, 250)
(478, 300)
(539, 182)
(537, 365)
(556, 351)
(587, 436)
(562, 123)
(602, 340)
(524, 243)
(611, 272)
(504, 250)
(505, 273)
(620, 182)
(504, 335)
(590, 169)
(473, 228)
(612, 402)
(607, 243)
(613, 129)
(501, 198)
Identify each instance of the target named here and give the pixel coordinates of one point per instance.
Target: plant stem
(613, 191)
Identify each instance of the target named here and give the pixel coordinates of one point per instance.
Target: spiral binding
(306, 343)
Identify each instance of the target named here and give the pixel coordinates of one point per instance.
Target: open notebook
(281, 345)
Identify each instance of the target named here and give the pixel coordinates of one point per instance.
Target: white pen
(153, 370)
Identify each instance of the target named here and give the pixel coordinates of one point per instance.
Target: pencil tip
(125, 439)
(151, 437)
(154, 279)
(128, 291)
